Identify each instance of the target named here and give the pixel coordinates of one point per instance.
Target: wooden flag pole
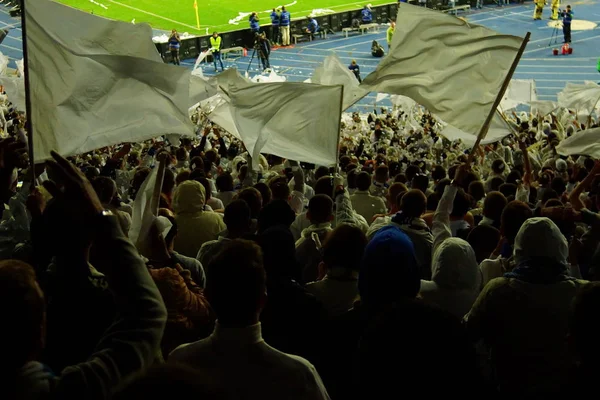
(155, 201)
(28, 124)
(488, 120)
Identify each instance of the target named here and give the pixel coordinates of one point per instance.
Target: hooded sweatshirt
(194, 225)
(523, 317)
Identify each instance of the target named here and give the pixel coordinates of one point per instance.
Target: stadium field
(214, 14)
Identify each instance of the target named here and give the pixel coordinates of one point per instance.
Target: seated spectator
(363, 202)
(195, 226)
(336, 287)
(493, 205)
(523, 317)
(308, 247)
(128, 345)
(235, 356)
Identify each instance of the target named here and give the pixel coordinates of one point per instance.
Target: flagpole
(28, 124)
(197, 16)
(488, 120)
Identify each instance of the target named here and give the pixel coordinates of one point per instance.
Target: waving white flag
(585, 142)
(453, 68)
(580, 97)
(498, 130)
(333, 72)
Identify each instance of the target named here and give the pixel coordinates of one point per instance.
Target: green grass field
(214, 14)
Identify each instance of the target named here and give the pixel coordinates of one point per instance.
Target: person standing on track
(567, 16)
(284, 26)
(174, 45)
(274, 27)
(215, 48)
(539, 9)
(390, 34)
(555, 6)
(355, 68)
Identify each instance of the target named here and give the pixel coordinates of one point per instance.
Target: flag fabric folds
(453, 68)
(103, 86)
(580, 97)
(520, 91)
(333, 72)
(498, 130)
(585, 142)
(293, 120)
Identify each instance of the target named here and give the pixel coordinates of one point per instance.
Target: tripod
(252, 59)
(554, 37)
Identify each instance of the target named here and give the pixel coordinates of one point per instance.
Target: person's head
(411, 171)
(441, 186)
(189, 198)
(325, 186)
(23, 313)
(513, 217)
(540, 241)
(279, 253)
(173, 32)
(237, 218)
(182, 177)
(168, 182)
(282, 8)
(224, 183)
(400, 178)
(279, 189)
(197, 163)
(207, 189)
(363, 181)
(389, 270)
(265, 192)
(276, 213)
(352, 175)
(321, 172)
(138, 179)
(483, 239)
(181, 154)
(392, 195)
(413, 203)
(353, 62)
(584, 328)
(498, 166)
(237, 302)
(476, 190)
(508, 190)
(105, 188)
(495, 183)
(382, 174)
(461, 204)
(432, 201)
(344, 247)
(493, 205)
(558, 185)
(549, 194)
(569, 8)
(513, 177)
(215, 34)
(420, 182)
(438, 173)
(320, 209)
(393, 24)
(253, 198)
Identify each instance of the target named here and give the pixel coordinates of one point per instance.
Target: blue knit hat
(389, 270)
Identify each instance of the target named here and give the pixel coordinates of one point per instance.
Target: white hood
(540, 237)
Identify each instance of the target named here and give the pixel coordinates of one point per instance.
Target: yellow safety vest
(215, 43)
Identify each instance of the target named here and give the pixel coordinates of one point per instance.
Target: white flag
(104, 85)
(293, 120)
(585, 142)
(520, 91)
(333, 72)
(15, 90)
(498, 130)
(453, 68)
(543, 107)
(580, 97)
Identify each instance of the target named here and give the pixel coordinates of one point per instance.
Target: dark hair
(168, 181)
(237, 215)
(513, 217)
(493, 205)
(559, 185)
(105, 188)
(181, 154)
(483, 239)
(508, 189)
(224, 182)
(411, 171)
(395, 168)
(344, 247)
(432, 201)
(207, 189)
(253, 198)
(321, 172)
(182, 177)
(196, 175)
(476, 190)
(498, 166)
(400, 178)
(139, 177)
(352, 175)
(197, 163)
(382, 173)
(236, 301)
(438, 173)
(324, 185)
(548, 195)
(265, 192)
(277, 212)
(513, 177)
(395, 190)
(421, 182)
(279, 189)
(320, 209)
(441, 186)
(461, 204)
(363, 181)
(414, 203)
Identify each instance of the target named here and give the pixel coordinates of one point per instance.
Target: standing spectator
(355, 68)
(274, 27)
(363, 202)
(235, 355)
(174, 45)
(215, 48)
(284, 26)
(390, 34)
(254, 24)
(366, 15)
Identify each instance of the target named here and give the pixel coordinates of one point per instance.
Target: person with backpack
(376, 49)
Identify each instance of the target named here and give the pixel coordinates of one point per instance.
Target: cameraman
(567, 16)
(263, 48)
(254, 24)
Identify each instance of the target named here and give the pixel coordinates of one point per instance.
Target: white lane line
(10, 47)
(477, 21)
(575, 41)
(159, 16)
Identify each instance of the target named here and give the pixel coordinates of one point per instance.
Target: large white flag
(580, 97)
(498, 130)
(519, 91)
(543, 107)
(104, 85)
(453, 68)
(293, 120)
(333, 72)
(585, 142)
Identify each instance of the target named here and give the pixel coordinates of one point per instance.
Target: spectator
(493, 205)
(366, 15)
(363, 202)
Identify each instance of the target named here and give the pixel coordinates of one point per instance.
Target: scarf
(540, 271)
(414, 223)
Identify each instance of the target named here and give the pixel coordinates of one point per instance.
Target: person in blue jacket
(567, 16)
(254, 24)
(366, 15)
(355, 68)
(312, 28)
(274, 27)
(284, 26)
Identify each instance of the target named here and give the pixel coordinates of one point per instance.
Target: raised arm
(575, 196)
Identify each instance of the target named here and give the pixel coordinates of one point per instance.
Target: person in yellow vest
(390, 34)
(555, 6)
(539, 9)
(215, 48)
